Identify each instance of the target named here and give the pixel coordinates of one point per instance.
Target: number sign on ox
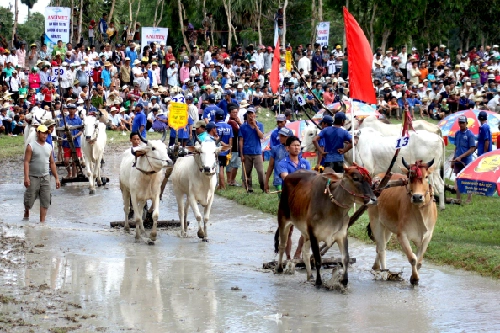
(402, 142)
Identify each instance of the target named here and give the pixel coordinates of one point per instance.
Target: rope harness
(415, 175)
(134, 165)
(366, 176)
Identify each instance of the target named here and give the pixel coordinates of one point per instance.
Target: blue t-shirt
(73, 122)
(132, 55)
(334, 139)
(274, 140)
(278, 153)
(223, 105)
(463, 141)
(225, 132)
(184, 131)
(484, 134)
(209, 112)
(251, 141)
(139, 120)
(289, 167)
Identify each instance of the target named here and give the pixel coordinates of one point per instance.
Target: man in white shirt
(403, 57)
(387, 61)
(259, 57)
(137, 70)
(208, 55)
(304, 63)
(196, 70)
(173, 80)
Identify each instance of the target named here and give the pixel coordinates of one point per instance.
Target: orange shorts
(67, 152)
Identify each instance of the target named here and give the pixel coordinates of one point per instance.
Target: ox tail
(277, 240)
(369, 232)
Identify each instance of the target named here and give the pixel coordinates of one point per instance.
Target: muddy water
(76, 271)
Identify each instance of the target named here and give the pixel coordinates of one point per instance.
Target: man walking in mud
(38, 158)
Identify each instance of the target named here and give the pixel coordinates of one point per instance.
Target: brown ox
(318, 207)
(409, 212)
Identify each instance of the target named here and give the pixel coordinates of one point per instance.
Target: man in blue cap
(335, 137)
(209, 112)
(278, 153)
(281, 122)
(250, 134)
(484, 139)
(139, 123)
(465, 145)
(225, 133)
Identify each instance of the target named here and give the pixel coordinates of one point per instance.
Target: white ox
(375, 152)
(36, 117)
(394, 129)
(194, 176)
(141, 181)
(95, 137)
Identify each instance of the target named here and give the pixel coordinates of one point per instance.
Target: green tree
(31, 30)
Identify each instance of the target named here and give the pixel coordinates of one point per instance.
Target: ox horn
(406, 164)
(142, 139)
(164, 136)
(429, 164)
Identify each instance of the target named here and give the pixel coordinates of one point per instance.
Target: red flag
(359, 59)
(274, 77)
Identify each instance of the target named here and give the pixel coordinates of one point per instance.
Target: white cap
(197, 62)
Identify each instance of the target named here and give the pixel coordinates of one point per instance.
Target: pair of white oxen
(377, 144)
(93, 141)
(144, 171)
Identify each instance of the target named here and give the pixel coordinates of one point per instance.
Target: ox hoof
(278, 269)
(414, 281)
(201, 234)
(183, 234)
(319, 281)
(153, 236)
(150, 242)
(127, 229)
(205, 240)
(345, 282)
(92, 192)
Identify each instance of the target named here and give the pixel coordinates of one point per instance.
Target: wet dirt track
(77, 272)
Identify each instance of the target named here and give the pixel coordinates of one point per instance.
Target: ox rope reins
(330, 195)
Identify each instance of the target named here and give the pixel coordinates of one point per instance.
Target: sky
(23, 9)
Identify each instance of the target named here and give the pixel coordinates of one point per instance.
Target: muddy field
(76, 273)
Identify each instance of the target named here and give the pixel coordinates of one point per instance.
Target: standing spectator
(225, 133)
(38, 160)
(484, 140)
(172, 75)
(21, 55)
(91, 32)
(207, 26)
(280, 122)
(72, 120)
(465, 145)
(278, 153)
(250, 135)
(103, 28)
(334, 137)
(32, 56)
(139, 123)
(235, 160)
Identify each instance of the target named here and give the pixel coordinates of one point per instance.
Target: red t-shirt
(47, 94)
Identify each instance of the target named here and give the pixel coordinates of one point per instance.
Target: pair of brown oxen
(318, 206)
